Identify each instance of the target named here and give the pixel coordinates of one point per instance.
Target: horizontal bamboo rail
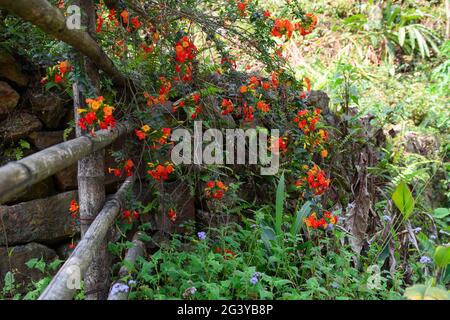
(44, 15)
(66, 282)
(18, 175)
(120, 290)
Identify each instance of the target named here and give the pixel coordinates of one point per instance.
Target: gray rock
(11, 69)
(14, 259)
(44, 220)
(49, 107)
(19, 126)
(45, 139)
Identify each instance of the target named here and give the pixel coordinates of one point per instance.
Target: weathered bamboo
(67, 281)
(16, 176)
(120, 289)
(91, 172)
(51, 20)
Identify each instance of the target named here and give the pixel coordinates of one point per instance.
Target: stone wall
(36, 223)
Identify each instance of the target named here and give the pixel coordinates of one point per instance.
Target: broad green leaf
(423, 292)
(403, 199)
(441, 213)
(279, 205)
(442, 256)
(301, 214)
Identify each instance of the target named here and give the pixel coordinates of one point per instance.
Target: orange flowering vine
(316, 180)
(307, 26)
(98, 112)
(227, 106)
(58, 72)
(283, 27)
(215, 189)
(185, 52)
(127, 169)
(142, 133)
(130, 216)
(327, 221)
(160, 172)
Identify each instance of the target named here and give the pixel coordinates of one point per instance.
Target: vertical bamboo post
(91, 173)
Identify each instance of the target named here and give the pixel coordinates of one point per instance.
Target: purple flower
(193, 290)
(201, 235)
(255, 278)
(387, 218)
(425, 260)
(417, 230)
(329, 227)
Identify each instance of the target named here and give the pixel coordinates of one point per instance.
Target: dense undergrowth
(385, 67)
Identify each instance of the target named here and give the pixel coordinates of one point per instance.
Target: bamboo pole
(120, 289)
(91, 169)
(67, 281)
(51, 20)
(17, 176)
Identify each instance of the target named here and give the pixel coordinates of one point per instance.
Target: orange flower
(140, 134)
(64, 67)
(264, 107)
(282, 27)
(125, 16)
(243, 89)
(74, 207)
(115, 171)
(108, 110)
(324, 153)
(136, 23)
(172, 215)
(58, 78)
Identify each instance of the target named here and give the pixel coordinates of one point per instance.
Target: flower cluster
(201, 235)
(162, 140)
(97, 112)
(111, 17)
(279, 145)
(316, 180)
(162, 97)
(283, 27)
(192, 102)
(227, 106)
(160, 172)
(307, 26)
(185, 52)
(58, 72)
(326, 222)
(307, 121)
(241, 6)
(215, 189)
(142, 133)
(130, 216)
(127, 169)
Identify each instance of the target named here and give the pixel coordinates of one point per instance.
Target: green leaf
(423, 292)
(442, 256)
(403, 199)
(301, 214)
(440, 213)
(279, 205)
